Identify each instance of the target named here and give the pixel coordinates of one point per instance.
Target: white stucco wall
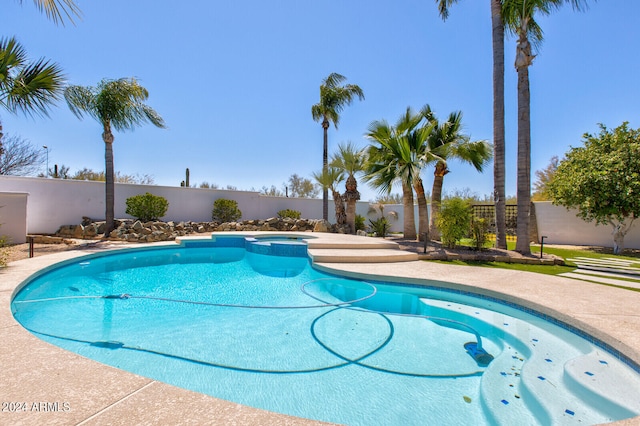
(13, 216)
(562, 226)
(56, 202)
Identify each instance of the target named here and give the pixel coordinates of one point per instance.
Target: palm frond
(57, 10)
(333, 98)
(120, 103)
(443, 7)
(329, 178)
(27, 87)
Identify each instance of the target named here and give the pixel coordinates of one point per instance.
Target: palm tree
(393, 158)
(333, 99)
(26, 87)
(330, 178)
(351, 160)
(417, 131)
(518, 16)
(55, 9)
(117, 104)
(446, 141)
(497, 32)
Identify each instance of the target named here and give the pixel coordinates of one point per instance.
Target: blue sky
(235, 81)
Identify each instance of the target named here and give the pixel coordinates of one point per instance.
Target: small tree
(543, 177)
(330, 178)
(225, 210)
(19, 157)
(602, 180)
(302, 187)
(147, 207)
(454, 221)
(479, 228)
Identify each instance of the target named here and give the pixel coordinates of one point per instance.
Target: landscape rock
(153, 231)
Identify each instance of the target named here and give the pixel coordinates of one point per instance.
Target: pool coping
(54, 386)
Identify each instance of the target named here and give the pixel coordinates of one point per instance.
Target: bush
(293, 214)
(225, 210)
(454, 221)
(147, 207)
(380, 227)
(360, 226)
(479, 228)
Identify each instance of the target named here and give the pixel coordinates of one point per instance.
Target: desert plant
(293, 214)
(225, 210)
(360, 225)
(380, 227)
(147, 207)
(479, 228)
(454, 221)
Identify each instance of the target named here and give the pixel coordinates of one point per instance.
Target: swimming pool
(210, 317)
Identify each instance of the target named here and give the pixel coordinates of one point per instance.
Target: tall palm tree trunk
(523, 193)
(423, 210)
(436, 198)
(108, 138)
(409, 215)
(498, 124)
(325, 161)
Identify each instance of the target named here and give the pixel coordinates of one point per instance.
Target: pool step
(532, 366)
(358, 250)
(613, 387)
(352, 243)
(368, 255)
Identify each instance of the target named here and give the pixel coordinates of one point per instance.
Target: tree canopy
(602, 179)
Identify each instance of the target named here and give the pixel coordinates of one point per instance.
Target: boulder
(137, 231)
(322, 226)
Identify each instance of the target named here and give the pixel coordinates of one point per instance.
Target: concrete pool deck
(44, 384)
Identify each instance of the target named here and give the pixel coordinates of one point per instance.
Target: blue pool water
(250, 321)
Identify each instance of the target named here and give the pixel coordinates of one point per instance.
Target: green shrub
(360, 226)
(147, 207)
(454, 221)
(380, 227)
(479, 228)
(225, 210)
(293, 214)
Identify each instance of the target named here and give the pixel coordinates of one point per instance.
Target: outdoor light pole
(46, 173)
